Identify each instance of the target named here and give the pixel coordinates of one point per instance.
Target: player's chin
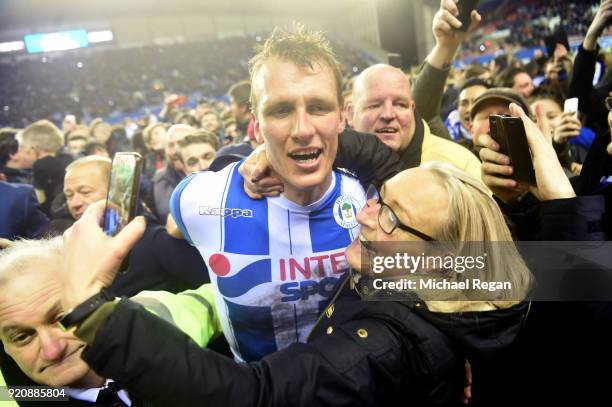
(312, 177)
(313, 180)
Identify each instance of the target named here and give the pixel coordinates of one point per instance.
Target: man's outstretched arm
(153, 359)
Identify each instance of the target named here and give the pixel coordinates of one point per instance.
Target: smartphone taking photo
(570, 105)
(465, 12)
(509, 133)
(122, 194)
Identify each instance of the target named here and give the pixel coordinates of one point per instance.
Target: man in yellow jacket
(383, 105)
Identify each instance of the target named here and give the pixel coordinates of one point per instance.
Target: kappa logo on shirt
(225, 212)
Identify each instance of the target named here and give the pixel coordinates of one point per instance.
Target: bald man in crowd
(383, 105)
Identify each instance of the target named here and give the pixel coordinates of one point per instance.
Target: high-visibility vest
(192, 311)
(2, 390)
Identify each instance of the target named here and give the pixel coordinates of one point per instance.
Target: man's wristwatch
(86, 308)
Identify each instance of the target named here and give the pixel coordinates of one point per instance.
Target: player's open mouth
(306, 156)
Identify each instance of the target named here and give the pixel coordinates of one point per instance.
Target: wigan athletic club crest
(345, 211)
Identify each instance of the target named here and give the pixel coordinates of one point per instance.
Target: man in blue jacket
(20, 213)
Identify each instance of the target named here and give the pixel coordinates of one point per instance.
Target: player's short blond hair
(300, 45)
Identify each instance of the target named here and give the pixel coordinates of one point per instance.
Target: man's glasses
(387, 219)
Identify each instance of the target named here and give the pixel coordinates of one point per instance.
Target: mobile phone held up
(509, 133)
(465, 12)
(122, 194)
(570, 105)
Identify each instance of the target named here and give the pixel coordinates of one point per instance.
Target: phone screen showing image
(122, 192)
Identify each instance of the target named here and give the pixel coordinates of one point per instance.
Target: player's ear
(258, 135)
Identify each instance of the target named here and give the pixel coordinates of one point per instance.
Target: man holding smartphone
(497, 172)
(29, 333)
(495, 167)
(40, 352)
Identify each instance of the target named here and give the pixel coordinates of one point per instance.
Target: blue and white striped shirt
(274, 264)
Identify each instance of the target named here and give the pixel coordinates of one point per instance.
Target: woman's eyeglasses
(387, 219)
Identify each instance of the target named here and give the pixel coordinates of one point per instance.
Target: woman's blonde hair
(476, 225)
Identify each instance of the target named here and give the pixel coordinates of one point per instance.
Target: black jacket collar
(411, 157)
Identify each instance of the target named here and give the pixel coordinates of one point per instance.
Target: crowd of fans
(101, 83)
(528, 23)
(49, 176)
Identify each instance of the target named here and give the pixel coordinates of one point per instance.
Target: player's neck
(306, 196)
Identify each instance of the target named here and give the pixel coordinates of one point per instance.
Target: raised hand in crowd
(170, 99)
(496, 171)
(446, 29)
(568, 127)
(85, 275)
(600, 22)
(169, 105)
(559, 131)
(551, 181)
